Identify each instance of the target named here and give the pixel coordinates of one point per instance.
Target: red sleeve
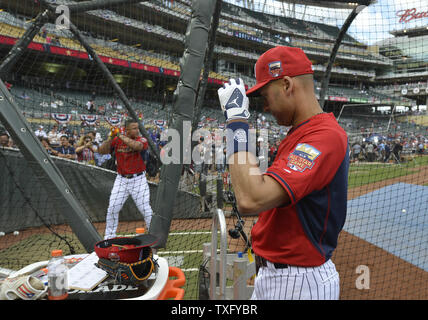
(309, 165)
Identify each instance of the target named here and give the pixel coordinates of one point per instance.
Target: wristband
(236, 137)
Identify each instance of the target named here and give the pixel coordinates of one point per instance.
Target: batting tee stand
(225, 266)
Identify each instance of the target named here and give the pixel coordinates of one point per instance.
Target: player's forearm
(105, 147)
(246, 180)
(255, 192)
(133, 144)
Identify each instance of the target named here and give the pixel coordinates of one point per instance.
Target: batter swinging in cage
(131, 175)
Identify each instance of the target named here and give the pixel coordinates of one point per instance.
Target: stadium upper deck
(151, 33)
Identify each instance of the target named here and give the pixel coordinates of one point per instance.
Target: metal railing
(219, 224)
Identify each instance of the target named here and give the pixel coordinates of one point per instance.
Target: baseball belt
(132, 175)
(262, 262)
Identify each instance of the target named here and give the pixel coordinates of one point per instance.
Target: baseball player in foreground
(301, 199)
(131, 175)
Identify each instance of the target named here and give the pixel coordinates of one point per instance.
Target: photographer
(86, 150)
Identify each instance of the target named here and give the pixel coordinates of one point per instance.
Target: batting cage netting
(110, 124)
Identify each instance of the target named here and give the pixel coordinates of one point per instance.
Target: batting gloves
(233, 100)
(113, 132)
(234, 104)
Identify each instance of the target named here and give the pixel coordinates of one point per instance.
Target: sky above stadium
(373, 24)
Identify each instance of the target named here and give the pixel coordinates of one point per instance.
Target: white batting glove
(233, 100)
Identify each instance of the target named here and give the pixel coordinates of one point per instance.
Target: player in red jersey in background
(131, 175)
(301, 199)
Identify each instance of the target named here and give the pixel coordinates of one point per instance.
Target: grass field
(37, 247)
(365, 173)
(185, 250)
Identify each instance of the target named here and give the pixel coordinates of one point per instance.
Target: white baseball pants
(297, 283)
(138, 189)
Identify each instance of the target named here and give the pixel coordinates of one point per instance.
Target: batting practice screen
(117, 128)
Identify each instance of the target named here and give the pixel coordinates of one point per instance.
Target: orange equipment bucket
(172, 287)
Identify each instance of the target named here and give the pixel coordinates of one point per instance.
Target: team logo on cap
(303, 157)
(275, 68)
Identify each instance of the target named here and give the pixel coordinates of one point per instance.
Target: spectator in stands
(381, 149)
(55, 40)
(4, 139)
(40, 132)
(220, 158)
(101, 110)
(54, 137)
(96, 142)
(96, 137)
(387, 152)
(261, 151)
(100, 159)
(155, 136)
(273, 149)
(65, 130)
(45, 143)
(66, 150)
(8, 85)
(370, 151)
(44, 33)
(356, 150)
(90, 106)
(24, 95)
(421, 148)
(86, 150)
(398, 147)
(200, 166)
(73, 138)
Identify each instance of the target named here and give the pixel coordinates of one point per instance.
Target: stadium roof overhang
(410, 32)
(338, 4)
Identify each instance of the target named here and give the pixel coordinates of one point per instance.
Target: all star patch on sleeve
(303, 157)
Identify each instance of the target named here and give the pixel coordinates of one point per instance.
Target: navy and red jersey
(128, 160)
(312, 166)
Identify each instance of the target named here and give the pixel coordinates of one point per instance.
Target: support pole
(207, 64)
(326, 79)
(185, 98)
(18, 49)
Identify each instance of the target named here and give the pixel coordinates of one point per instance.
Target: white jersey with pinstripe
(297, 283)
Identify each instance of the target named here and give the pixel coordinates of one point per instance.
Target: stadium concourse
(377, 89)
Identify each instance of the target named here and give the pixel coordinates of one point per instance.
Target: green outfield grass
(187, 245)
(37, 248)
(365, 173)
